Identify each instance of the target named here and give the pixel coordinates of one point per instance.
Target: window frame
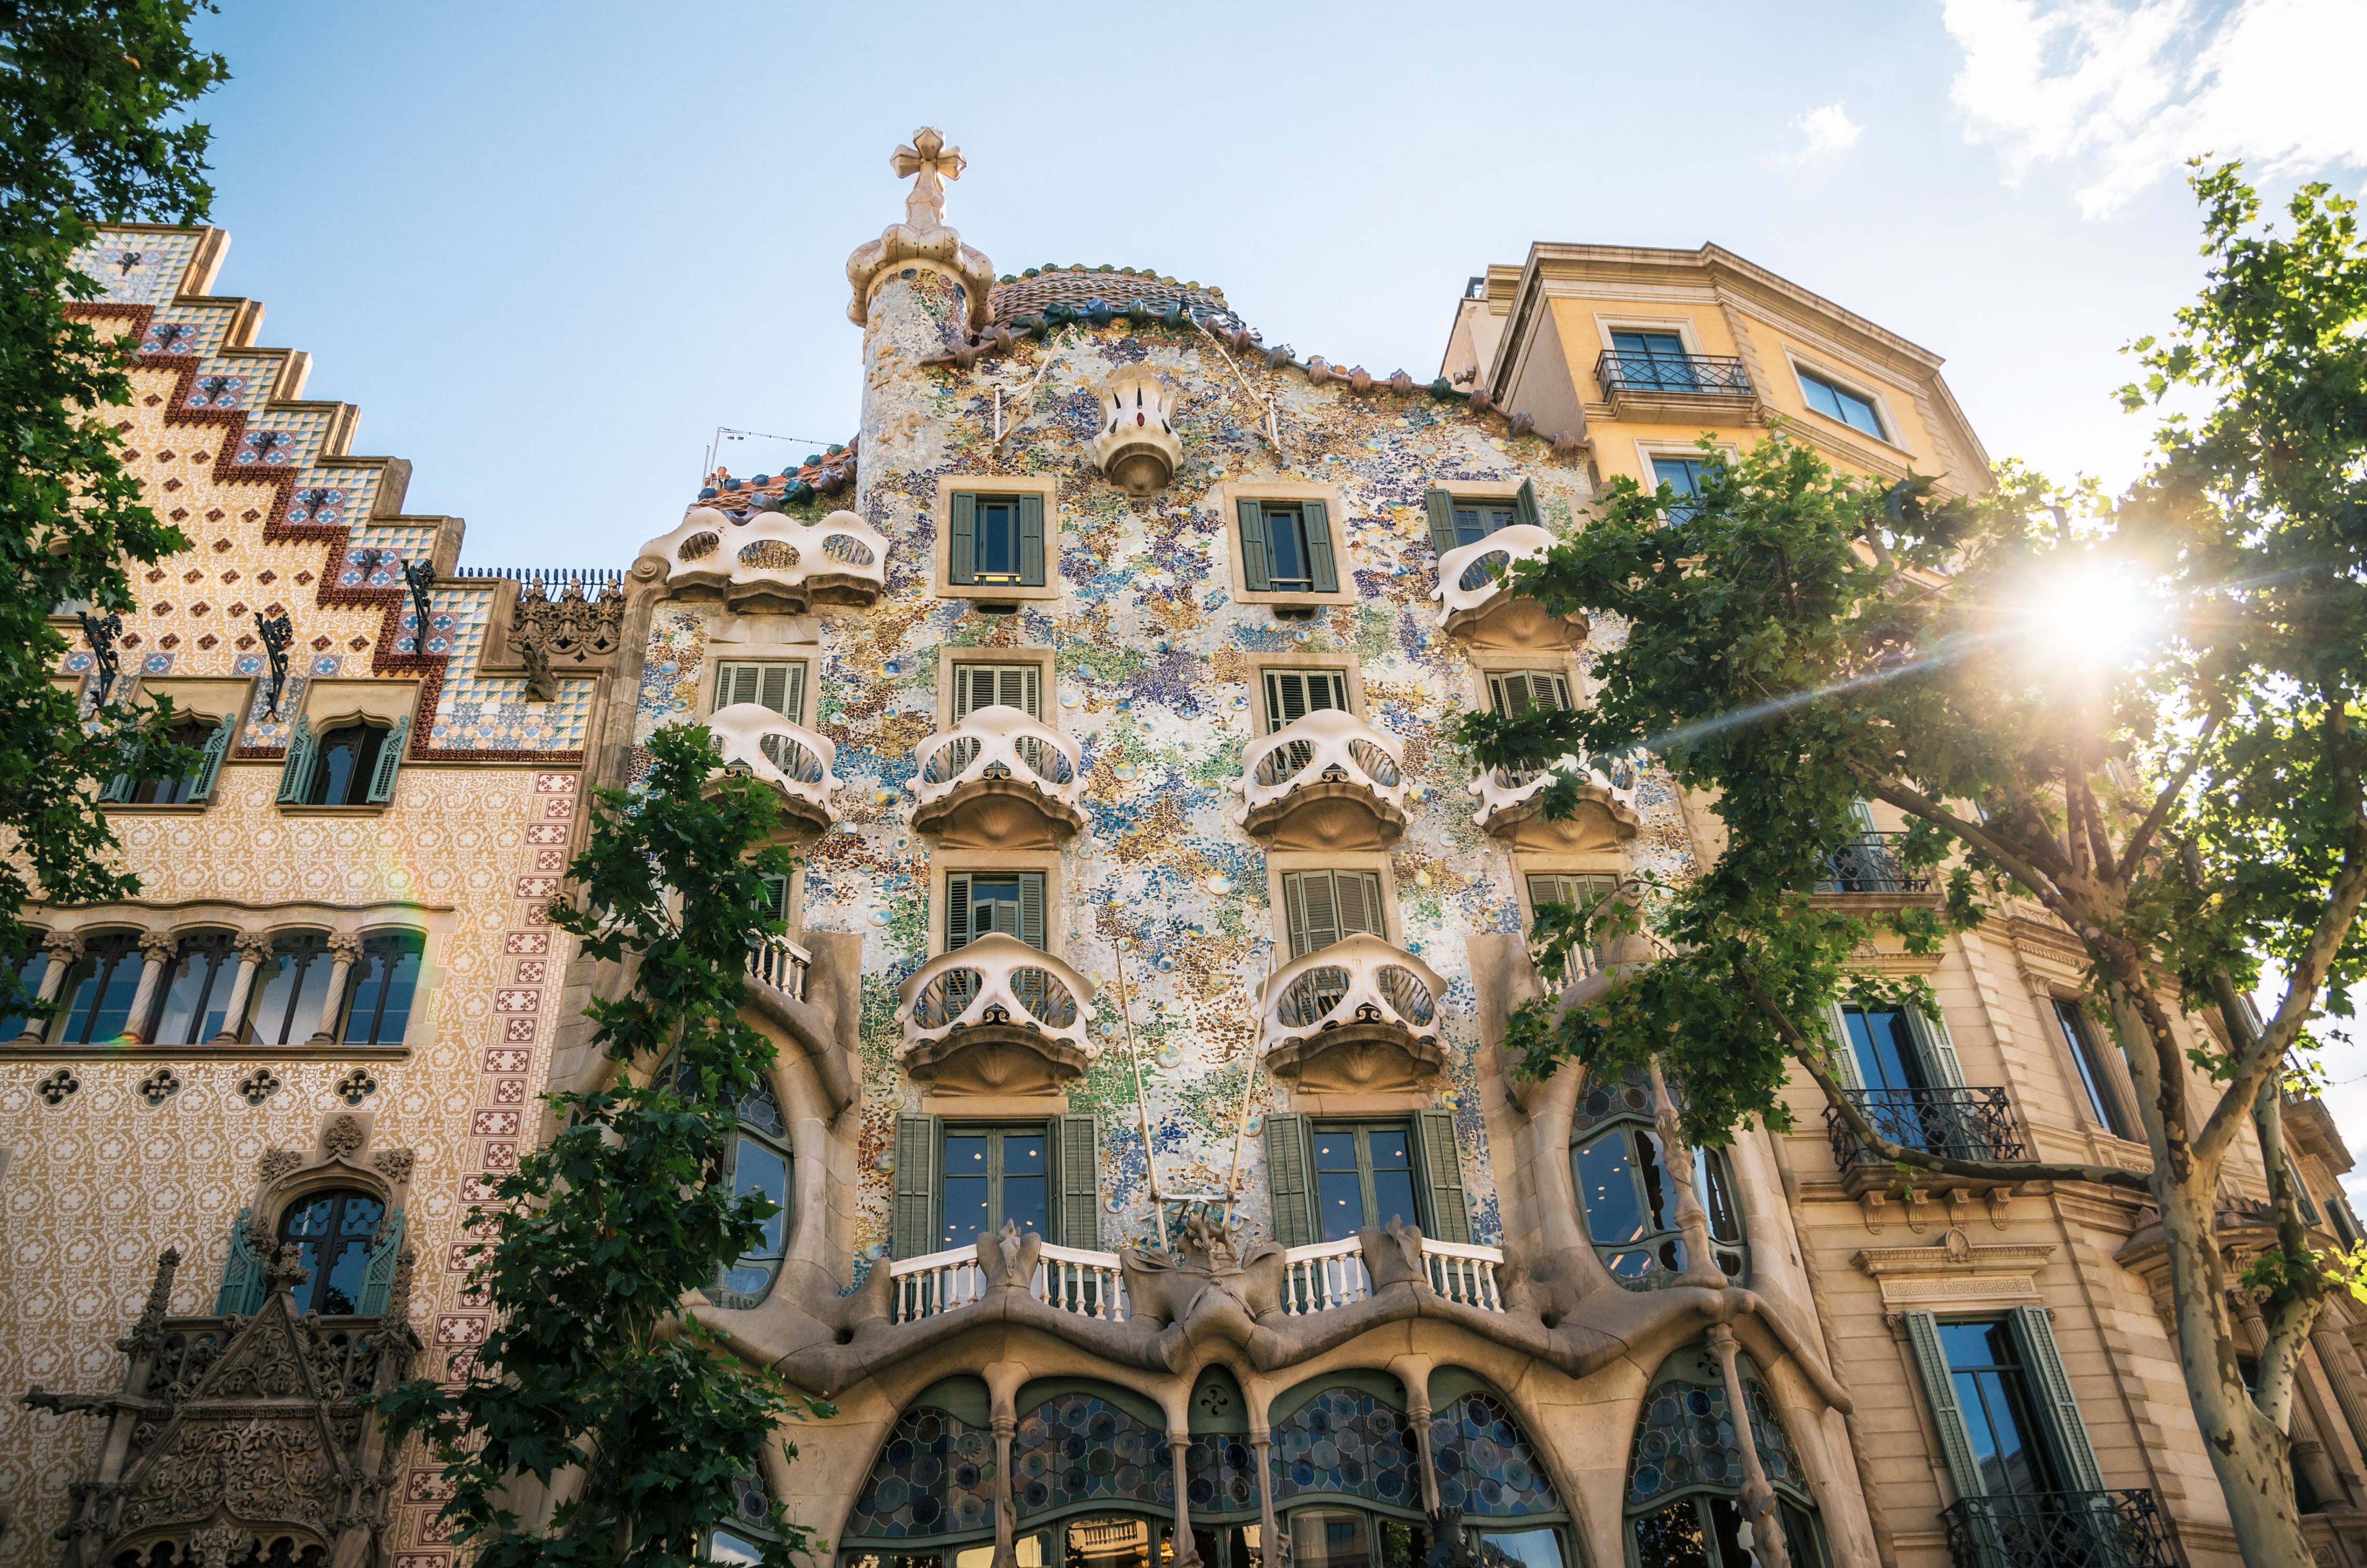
(1229, 495)
(123, 958)
(308, 1295)
(1047, 492)
(1360, 1130)
(376, 943)
(995, 1130)
(1040, 660)
(1805, 372)
(991, 863)
(218, 945)
(2091, 1069)
(801, 680)
(1504, 492)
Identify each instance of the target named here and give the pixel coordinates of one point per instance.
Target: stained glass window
(1346, 1443)
(1220, 1474)
(1078, 1448)
(934, 1476)
(1485, 1464)
(1686, 1465)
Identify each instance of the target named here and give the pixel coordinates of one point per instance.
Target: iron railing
(1870, 863)
(1693, 375)
(2058, 1529)
(549, 580)
(1959, 1123)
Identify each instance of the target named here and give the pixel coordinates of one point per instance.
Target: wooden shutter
(1318, 548)
(779, 686)
(985, 685)
(776, 898)
(1359, 899)
(1031, 541)
(1514, 692)
(1314, 919)
(1291, 694)
(1524, 507)
(956, 910)
(296, 772)
(1442, 1172)
(912, 1224)
(241, 1286)
(1845, 1063)
(2051, 1389)
(1031, 910)
(1288, 1161)
(1441, 521)
(1080, 1182)
(1940, 1390)
(378, 1279)
(961, 554)
(1257, 564)
(389, 761)
(202, 787)
(1939, 1062)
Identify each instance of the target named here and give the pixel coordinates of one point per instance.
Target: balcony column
(1179, 1448)
(1701, 1263)
(344, 951)
(1269, 1543)
(252, 948)
(64, 949)
(157, 949)
(2309, 1450)
(1003, 1380)
(2331, 1346)
(1757, 1497)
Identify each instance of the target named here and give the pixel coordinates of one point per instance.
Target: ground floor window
(1686, 1474)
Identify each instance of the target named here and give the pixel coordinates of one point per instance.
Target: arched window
(99, 989)
(333, 1228)
(933, 1481)
(352, 763)
(291, 987)
(1620, 1163)
(1346, 1474)
(756, 1161)
(1684, 1470)
(751, 1530)
(209, 738)
(379, 990)
(195, 991)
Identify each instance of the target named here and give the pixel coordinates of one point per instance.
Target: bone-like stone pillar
(1758, 1496)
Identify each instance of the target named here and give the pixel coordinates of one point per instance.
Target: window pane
(1606, 1188)
(759, 1168)
(1285, 532)
(1329, 1537)
(1393, 1198)
(348, 757)
(998, 540)
(196, 991)
(342, 1292)
(1717, 1195)
(1530, 1549)
(965, 1188)
(1884, 1048)
(1024, 1204)
(725, 1547)
(1660, 1201)
(993, 905)
(1673, 1538)
(2081, 1038)
(30, 971)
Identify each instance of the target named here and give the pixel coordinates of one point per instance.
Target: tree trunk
(2249, 1455)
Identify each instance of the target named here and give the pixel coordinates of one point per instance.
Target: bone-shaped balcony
(1328, 780)
(796, 762)
(999, 779)
(771, 563)
(1478, 602)
(1359, 1017)
(995, 1016)
(1511, 805)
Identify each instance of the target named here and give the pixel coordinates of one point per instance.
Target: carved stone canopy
(995, 1059)
(1358, 1059)
(1137, 448)
(999, 813)
(1328, 815)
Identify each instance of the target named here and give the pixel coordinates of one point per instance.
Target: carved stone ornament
(280, 1162)
(553, 636)
(922, 237)
(343, 1138)
(1137, 448)
(394, 1165)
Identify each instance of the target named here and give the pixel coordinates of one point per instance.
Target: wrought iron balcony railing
(1870, 863)
(1686, 375)
(1960, 1123)
(2058, 1529)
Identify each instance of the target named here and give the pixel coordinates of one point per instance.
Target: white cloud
(1824, 130)
(2130, 90)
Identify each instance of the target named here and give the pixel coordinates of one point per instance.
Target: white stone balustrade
(996, 982)
(780, 963)
(1072, 1279)
(1471, 575)
(998, 743)
(1461, 1272)
(771, 562)
(790, 757)
(1328, 746)
(1327, 1274)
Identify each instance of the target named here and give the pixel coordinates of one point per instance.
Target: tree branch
(2159, 813)
(2043, 885)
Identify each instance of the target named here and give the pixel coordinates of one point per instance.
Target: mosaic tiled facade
(1117, 1035)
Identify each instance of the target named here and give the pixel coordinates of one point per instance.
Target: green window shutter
(1845, 1063)
(1938, 1051)
(241, 1286)
(1441, 521)
(296, 772)
(1031, 541)
(1257, 565)
(1359, 898)
(390, 760)
(1940, 1389)
(1318, 547)
(913, 1225)
(793, 706)
(2057, 1407)
(118, 788)
(1031, 910)
(1287, 1157)
(956, 910)
(1514, 692)
(217, 751)
(1285, 698)
(961, 560)
(1080, 1182)
(1524, 507)
(378, 1278)
(1311, 910)
(1441, 1169)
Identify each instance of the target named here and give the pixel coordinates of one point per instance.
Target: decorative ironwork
(100, 632)
(419, 576)
(1870, 863)
(1959, 1123)
(2058, 1529)
(277, 635)
(1701, 375)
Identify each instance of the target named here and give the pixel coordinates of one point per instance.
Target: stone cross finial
(934, 162)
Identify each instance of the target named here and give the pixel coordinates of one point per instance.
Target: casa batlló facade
(1155, 1187)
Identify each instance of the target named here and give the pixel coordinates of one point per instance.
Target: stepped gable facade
(1155, 1185)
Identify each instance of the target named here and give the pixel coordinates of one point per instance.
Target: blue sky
(548, 249)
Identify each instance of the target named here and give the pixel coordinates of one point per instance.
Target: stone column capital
(160, 947)
(63, 947)
(252, 946)
(344, 947)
